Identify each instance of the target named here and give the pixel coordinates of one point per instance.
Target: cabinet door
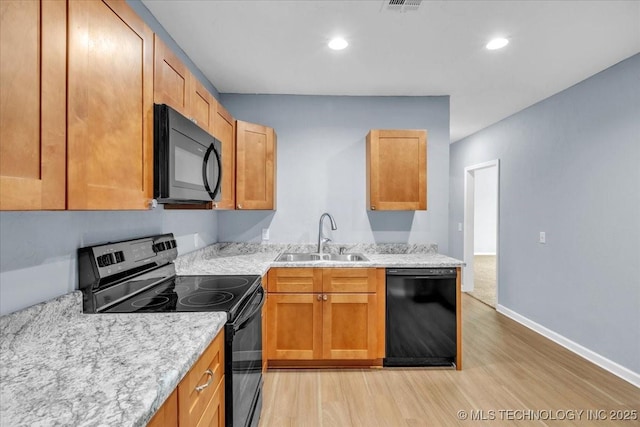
(295, 280)
(167, 414)
(349, 280)
(32, 120)
(110, 107)
(224, 128)
(397, 170)
(295, 326)
(255, 166)
(201, 105)
(171, 79)
(349, 326)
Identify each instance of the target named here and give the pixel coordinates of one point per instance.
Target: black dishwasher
(421, 317)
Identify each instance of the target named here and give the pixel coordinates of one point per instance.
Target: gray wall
(570, 166)
(321, 168)
(38, 249)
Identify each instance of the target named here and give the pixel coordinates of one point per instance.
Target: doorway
(481, 225)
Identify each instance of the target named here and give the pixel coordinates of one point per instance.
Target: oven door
(243, 364)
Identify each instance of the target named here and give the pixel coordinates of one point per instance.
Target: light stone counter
(60, 367)
(253, 258)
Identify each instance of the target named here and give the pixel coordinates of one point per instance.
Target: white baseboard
(593, 357)
(484, 253)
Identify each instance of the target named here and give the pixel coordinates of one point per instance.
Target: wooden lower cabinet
(349, 326)
(294, 326)
(167, 414)
(198, 401)
(343, 325)
(264, 326)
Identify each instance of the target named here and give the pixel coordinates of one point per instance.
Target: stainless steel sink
(306, 257)
(293, 257)
(347, 257)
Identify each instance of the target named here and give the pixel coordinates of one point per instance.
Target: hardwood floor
(508, 369)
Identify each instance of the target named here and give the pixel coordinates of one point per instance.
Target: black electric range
(191, 293)
(139, 276)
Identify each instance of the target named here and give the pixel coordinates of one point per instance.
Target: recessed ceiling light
(497, 43)
(338, 43)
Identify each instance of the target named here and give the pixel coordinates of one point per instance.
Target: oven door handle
(244, 321)
(205, 164)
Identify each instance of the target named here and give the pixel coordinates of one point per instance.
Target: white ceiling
(279, 47)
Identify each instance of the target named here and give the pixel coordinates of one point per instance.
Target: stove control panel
(113, 261)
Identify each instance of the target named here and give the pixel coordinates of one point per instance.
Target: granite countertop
(248, 258)
(59, 366)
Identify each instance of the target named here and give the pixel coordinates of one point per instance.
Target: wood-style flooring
(484, 279)
(510, 373)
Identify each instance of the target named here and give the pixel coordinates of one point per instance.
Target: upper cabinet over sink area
(397, 170)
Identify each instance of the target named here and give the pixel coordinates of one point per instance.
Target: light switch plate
(265, 234)
(543, 237)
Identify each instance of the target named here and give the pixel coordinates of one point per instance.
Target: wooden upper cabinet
(32, 115)
(174, 85)
(224, 128)
(202, 106)
(397, 170)
(255, 166)
(110, 107)
(171, 79)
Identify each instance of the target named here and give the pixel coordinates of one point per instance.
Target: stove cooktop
(191, 293)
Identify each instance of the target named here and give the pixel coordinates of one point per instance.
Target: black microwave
(187, 159)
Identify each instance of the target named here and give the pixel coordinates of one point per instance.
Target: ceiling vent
(401, 5)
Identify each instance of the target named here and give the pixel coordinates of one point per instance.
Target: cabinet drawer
(351, 280)
(295, 280)
(213, 415)
(209, 369)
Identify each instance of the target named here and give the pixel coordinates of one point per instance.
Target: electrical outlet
(459, 226)
(543, 237)
(265, 234)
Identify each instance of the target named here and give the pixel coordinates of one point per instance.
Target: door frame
(468, 235)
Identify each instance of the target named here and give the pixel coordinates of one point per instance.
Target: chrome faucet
(321, 238)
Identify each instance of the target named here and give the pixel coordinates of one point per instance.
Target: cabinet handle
(319, 297)
(215, 205)
(239, 206)
(324, 297)
(208, 383)
(373, 208)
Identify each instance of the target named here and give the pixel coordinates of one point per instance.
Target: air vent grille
(401, 5)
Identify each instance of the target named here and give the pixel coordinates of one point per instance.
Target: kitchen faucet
(321, 238)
